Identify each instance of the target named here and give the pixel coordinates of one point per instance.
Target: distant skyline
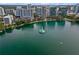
(38, 3)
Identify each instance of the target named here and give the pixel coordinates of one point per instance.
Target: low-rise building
(8, 20)
(10, 11)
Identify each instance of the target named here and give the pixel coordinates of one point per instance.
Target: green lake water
(58, 38)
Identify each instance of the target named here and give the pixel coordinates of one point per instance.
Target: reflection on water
(2, 33)
(18, 28)
(29, 26)
(75, 23)
(9, 30)
(60, 24)
(41, 27)
(51, 24)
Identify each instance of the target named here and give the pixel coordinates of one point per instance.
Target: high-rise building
(58, 10)
(23, 12)
(53, 11)
(26, 13)
(77, 9)
(18, 11)
(28, 6)
(40, 11)
(62, 10)
(71, 10)
(47, 11)
(2, 13)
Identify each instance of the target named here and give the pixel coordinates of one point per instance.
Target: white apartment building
(2, 13)
(8, 19)
(24, 12)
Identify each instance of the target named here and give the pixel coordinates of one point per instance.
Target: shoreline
(16, 26)
(1, 31)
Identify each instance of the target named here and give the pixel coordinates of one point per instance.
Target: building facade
(23, 12)
(71, 10)
(8, 20)
(26, 13)
(53, 11)
(2, 12)
(62, 11)
(18, 11)
(10, 11)
(41, 11)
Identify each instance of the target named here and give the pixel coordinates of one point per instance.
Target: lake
(43, 38)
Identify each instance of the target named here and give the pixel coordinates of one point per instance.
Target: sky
(39, 1)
